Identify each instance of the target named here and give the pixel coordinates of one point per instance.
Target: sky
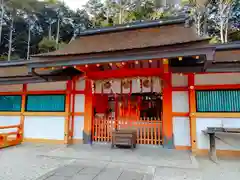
(75, 4)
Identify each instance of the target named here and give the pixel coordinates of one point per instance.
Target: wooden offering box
(124, 137)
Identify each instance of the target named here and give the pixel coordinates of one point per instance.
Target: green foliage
(47, 45)
(215, 40)
(38, 15)
(42, 17)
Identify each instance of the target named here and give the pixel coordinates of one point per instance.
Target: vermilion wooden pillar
(192, 112)
(88, 113)
(167, 108)
(67, 110)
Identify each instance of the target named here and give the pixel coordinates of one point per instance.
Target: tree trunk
(1, 23)
(50, 31)
(10, 41)
(199, 24)
(120, 12)
(226, 32)
(58, 32)
(29, 42)
(222, 31)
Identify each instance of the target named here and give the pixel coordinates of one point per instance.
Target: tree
(224, 16)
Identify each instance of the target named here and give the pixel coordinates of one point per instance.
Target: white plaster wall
(181, 131)
(214, 79)
(44, 127)
(79, 103)
(8, 121)
(179, 80)
(78, 127)
(49, 86)
(229, 141)
(11, 88)
(180, 101)
(80, 85)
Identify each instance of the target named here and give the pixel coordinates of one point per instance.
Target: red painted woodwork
(148, 130)
(100, 103)
(123, 73)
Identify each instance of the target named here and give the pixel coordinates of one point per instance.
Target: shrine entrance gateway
(131, 103)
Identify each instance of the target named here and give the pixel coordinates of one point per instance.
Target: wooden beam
(215, 87)
(218, 115)
(121, 73)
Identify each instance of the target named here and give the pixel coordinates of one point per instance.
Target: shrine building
(158, 77)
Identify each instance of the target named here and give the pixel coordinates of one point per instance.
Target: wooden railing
(10, 138)
(148, 129)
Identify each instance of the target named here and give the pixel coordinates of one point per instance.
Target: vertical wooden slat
(148, 130)
(155, 130)
(144, 131)
(101, 128)
(152, 129)
(140, 135)
(96, 127)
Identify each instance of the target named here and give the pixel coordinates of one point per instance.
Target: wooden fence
(10, 138)
(149, 130)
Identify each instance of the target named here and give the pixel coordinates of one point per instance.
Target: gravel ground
(26, 162)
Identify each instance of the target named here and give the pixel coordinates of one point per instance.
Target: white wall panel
(179, 80)
(80, 85)
(11, 88)
(181, 131)
(180, 101)
(79, 103)
(214, 79)
(78, 127)
(49, 86)
(227, 142)
(8, 121)
(46, 127)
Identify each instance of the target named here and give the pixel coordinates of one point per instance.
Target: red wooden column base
(167, 112)
(88, 113)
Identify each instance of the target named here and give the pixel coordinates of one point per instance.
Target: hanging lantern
(146, 83)
(107, 85)
(126, 84)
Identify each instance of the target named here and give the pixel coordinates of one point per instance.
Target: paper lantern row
(128, 86)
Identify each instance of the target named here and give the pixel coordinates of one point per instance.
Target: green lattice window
(45, 103)
(10, 103)
(218, 101)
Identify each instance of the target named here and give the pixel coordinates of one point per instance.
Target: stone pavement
(142, 155)
(53, 162)
(87, 170)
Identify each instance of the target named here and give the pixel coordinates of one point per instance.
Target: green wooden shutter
(10, 103)
(45, 103)
(218, 101)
